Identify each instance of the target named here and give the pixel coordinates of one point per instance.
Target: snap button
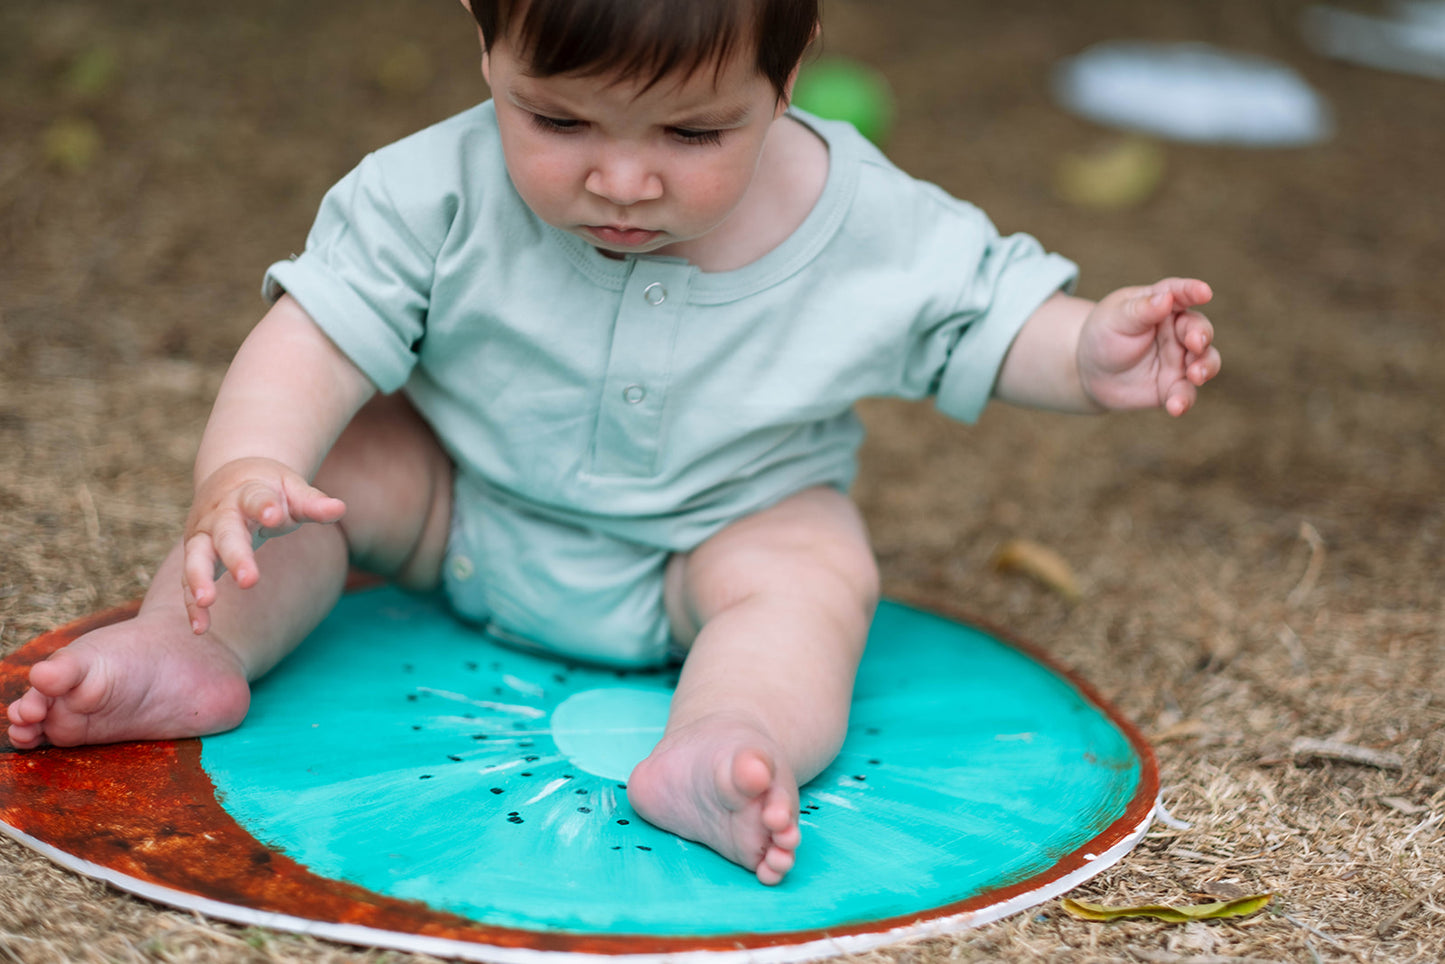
(633, 394)
(655, 293)
(462, 568)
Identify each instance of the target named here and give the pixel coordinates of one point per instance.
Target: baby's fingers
(260, 504)
(1180, 398)
(309, 504)
(1194, 332)
(199, 568)
(1201, 359)
(1201, 368)
(1184, 292)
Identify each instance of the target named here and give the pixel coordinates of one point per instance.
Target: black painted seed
(525, 774)
(874, 762)
(582, 791)
(526, 743)
(514, 819)
(512, 813)
(415, 728)
(623, 823)
(479, 736)
(425, 776)
(411, 697)
(858, 777)
(584, 809)
(622, 786)
(531, 759)
(640, 847)
(872, 731)
(618, 847)
(454, 758)
(498, 790)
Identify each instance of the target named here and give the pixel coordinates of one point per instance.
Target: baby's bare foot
(723, 783)
(135, 680)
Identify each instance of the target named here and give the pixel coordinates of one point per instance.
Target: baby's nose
(624, 180)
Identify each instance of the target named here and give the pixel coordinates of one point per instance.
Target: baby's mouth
(622, 237)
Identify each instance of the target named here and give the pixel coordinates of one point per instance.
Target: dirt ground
(1266, 570)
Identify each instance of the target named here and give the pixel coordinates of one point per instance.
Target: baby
(585, 358)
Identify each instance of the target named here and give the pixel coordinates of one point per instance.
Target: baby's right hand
(236, 508)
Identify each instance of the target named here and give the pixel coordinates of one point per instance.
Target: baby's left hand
(1145, 347)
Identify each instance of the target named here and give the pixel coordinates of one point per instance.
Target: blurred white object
(1412, 41)
(1193, 92)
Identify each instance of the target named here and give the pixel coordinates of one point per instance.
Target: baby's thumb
(309, 504)
(1146, 310)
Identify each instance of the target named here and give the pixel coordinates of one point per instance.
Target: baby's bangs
(637, 39)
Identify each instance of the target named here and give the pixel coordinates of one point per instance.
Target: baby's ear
(787, 98)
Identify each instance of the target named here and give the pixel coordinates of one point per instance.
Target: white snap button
(633, 394)
(462, 568)
(655, 293)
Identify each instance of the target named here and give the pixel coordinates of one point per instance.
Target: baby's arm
(1136, 348)
(286, 397)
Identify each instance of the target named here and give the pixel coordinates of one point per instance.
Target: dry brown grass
(1264, 572)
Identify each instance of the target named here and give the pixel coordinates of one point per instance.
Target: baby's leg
(784, 599)
(152, 678)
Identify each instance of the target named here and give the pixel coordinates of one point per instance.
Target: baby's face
(632, 170)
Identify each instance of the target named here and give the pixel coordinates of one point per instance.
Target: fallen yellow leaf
(1239, 907)
(1040, 563)
(1119, 175)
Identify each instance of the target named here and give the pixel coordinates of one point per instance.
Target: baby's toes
(780, 811)
(57, 676)
(750, 773)
(23, 737)
(29, 710)
(788, 838)
(775, 865)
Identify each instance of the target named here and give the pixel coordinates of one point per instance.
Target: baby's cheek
(712, 197)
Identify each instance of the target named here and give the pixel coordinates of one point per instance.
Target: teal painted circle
(401, 751)
(609, 731)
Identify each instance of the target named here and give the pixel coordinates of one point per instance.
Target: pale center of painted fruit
(609, 731)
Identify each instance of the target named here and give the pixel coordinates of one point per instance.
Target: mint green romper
(603, 413)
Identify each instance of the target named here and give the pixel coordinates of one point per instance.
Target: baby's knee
(396, 481)
(842, 575)
(822, 558)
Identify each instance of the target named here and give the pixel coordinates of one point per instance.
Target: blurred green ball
(839, 89)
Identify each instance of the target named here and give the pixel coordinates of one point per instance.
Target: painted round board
(404, 781)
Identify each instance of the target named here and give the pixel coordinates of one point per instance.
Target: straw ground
(1260, 581)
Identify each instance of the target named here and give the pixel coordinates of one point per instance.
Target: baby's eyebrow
(535, 106)
(713, 118)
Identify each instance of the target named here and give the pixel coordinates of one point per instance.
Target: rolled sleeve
(364, 278)
(1013, 279)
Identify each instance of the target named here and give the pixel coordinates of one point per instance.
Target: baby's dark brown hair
(650, 39)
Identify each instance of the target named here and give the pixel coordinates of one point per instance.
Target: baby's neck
(791, 174)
